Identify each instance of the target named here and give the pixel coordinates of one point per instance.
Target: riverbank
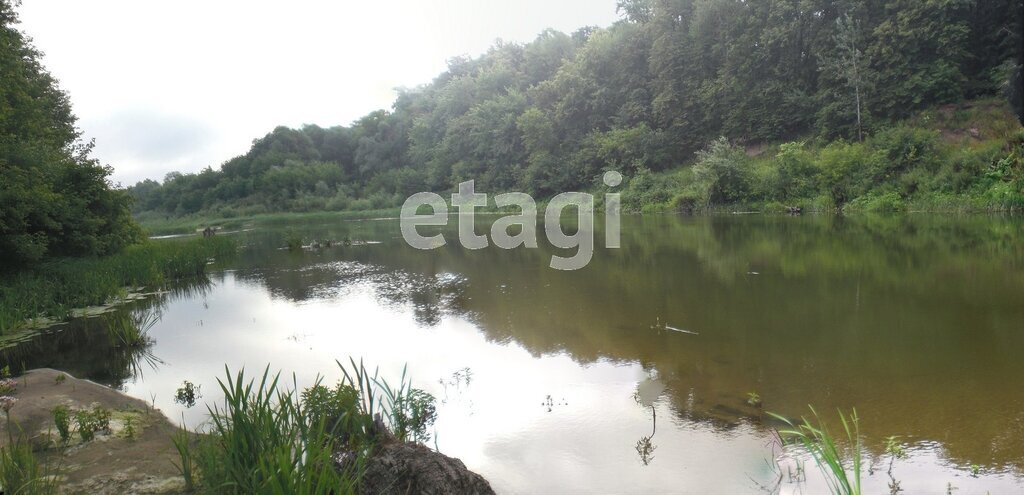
(54, 289)
(134, 454)
(160, 225)
(132, 448)
(967, 157)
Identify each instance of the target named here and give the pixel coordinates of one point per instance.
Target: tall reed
(261, 442)
(841, 465)
(267, 439)
(54, 288)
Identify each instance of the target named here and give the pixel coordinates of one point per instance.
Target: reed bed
(52, 289)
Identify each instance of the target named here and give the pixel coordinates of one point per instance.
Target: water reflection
(915, 321)
(647, 392)
(113, 348)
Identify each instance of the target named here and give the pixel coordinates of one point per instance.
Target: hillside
(646, 94)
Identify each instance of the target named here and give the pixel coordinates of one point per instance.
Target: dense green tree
(643, 95)
(54, 199)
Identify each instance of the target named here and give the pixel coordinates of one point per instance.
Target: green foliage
(55, 199)
(130, 330)
(797, 173)
(54, 288)
(261, 442)
(293, 241)
(8, 386)
(91, 421)
(641, 97)
(187, 464)
(21, 473)
(408, 411)
(62, 419)
(337, 408)
(841, 465)
(722, 173)
(187, 394)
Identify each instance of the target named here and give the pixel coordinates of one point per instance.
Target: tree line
(641, 95)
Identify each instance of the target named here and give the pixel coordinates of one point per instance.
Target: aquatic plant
(260, 442)
(408, 411)
(130, 330)
(338, 408)
(266, 438)
(54, 288)
(894, 450)
(841, 466)
(187, 394)
(293, 241)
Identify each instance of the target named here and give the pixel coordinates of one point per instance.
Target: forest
(672, 82)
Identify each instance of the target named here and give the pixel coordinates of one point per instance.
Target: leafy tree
(644, 94)
(54, 199)
(849, 63)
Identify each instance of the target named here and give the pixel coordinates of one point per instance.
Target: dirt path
(136, 455)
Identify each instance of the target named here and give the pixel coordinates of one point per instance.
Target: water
(554, 382)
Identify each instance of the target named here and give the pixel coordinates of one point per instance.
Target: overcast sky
(166, 86)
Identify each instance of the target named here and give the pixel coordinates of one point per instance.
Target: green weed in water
(53, 288)
(841, 465)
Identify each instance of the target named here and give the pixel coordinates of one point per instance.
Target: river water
(634, 374)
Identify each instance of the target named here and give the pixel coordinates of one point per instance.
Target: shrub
(845, 170)
(877, 202)
(62, 419)
(89, 422)
(796, 172)
(722, 173)
(337, 408)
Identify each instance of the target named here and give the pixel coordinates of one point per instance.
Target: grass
(21, 473)
(182, 443)
(55, 288)
(841, 465)
(268, 439)
(163, 225)
(261, 442)
(130, 329)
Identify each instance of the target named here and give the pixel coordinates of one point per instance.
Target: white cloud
(182, 85)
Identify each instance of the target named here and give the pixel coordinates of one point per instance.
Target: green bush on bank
(900, 168)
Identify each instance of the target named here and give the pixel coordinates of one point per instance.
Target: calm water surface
(552, 382)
